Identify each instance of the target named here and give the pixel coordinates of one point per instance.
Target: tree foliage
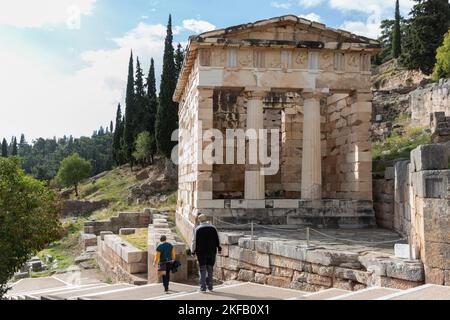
(167, 115)
(4, 148)
(73, 170)
(396, 33)
(428, 23)
(442, 67)
(29, 215)
(130, 113)
(118, 143)
(142, 151)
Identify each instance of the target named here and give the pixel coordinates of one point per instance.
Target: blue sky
(63, 63)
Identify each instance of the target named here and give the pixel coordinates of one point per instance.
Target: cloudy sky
(63, 63)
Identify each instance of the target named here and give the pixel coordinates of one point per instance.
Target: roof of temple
(225, 37)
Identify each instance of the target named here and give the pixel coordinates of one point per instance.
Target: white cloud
(377, 10)
(198, 26)
(311, 16)
(44, 13)
(50, 103)
(281, 5)
(309, 3)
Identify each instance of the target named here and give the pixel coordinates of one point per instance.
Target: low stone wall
(77, 207)
(160, 227)
(383, 197)
(123, 220)
(279, 264)
(120, 259)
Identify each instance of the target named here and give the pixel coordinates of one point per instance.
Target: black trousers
(166, 277)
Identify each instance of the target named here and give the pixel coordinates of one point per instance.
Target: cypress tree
(167, 115)
(4, 148)
(140, 100)
(425, 32)
(396, 34)
(130, 112)
(152, 107)
(111, 127)
(179, 59)
(117, 139)
(14, 147)
(22, 140)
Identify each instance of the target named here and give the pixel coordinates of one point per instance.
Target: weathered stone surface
(229, 238)
(330, 257)
(251, 257)
(246, 275)
(397, 283)
(286, 263)
(303, 286)
(363, 277)
(260, 278)
(435, 276)
(282, 282)
(405, 271)
(312, 278)
(230, 275)
(127, 231)
(282, 272)
(78, 207)
(319, 269)
(429, 157)
(344, 284)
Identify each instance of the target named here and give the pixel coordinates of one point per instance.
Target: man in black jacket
(205, 244)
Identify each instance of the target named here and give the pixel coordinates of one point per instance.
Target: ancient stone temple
(311, 84)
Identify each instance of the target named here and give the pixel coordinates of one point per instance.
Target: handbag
(175, 265)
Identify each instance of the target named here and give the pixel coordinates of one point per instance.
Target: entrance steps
(55, 289)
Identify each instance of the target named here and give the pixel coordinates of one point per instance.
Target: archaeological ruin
(309, 82)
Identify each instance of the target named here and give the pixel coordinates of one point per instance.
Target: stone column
(254, 181)
(312, 155)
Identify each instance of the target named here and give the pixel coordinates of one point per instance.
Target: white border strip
(183, 294)
(109, 288)
(403, 292)
(354, 293)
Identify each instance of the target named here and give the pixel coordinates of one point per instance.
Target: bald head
(202, 218)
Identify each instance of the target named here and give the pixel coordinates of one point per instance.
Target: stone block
(313, 278)
(104, 233)
(282, 282)
(127, 231)
(246, 275)
(250, 257)
(331, 257)
(284, 262)
(260, 278)
(389, 173)
(429, 157)
(230, 275)
(230, 238)
(434, 276)
(405, 271)
(355, 275)
(303, 286)
(282, 272)
(402, 251)
(397, 283)
(437, 255)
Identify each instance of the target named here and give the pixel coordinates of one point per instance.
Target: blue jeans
(165, 278)
(206, 264)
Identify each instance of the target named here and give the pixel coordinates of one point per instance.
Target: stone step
(425, 292)
(146, 292)
(74, 294)
(39, 294)
(325, 294)
(366, 294)
(35, 284)
(241, 291)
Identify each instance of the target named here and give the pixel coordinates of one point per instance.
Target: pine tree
(14, 151)
(167, 115)
(179, 59)
(425, 31)
(152, 107)
(396, 34)
(130, 112)
(140, 100)
(117, 148)
(4, 148)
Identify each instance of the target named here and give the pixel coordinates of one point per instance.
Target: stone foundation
(272, 262)
(123, 220)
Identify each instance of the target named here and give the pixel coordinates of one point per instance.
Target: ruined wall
(383, 199)
(280, 264)
(123, 220)
(429, 99)
(347, 162)
(430, 210)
